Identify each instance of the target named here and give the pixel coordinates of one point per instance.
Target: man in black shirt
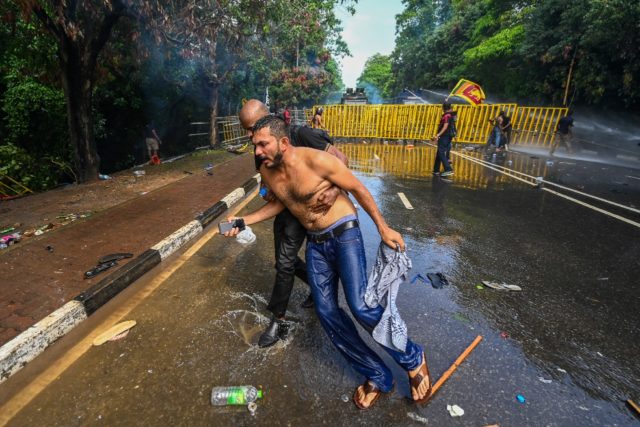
(564, 134)
(288, 233)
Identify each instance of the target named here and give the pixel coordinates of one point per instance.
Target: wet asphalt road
(574, 325)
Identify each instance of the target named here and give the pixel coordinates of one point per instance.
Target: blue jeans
(342, 259)
(444, 146)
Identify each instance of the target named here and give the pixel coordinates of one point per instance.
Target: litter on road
(455, 410)
(405, 201)
(438, 280)
(114, 331)
(501, 286)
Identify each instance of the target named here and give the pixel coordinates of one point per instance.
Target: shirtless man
(334, 252)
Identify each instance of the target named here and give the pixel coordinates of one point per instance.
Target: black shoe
(308, 303)
(272, 334)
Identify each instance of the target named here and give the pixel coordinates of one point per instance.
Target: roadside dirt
(59, 207)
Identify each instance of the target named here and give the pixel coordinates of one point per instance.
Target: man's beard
(277, 161)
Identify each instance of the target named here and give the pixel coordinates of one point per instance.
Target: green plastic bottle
(237, 395)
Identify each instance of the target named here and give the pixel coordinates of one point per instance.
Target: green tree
(377, 76)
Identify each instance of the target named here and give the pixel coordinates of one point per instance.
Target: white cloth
(390, 270)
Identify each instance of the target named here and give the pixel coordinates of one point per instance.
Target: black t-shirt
(564, 124)
(304, 136)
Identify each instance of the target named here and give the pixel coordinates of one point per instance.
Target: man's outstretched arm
(268, 210)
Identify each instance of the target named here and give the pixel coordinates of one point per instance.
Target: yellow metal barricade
(531, 125)
(10, 188)
(536, 125)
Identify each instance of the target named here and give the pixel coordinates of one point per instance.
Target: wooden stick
(455, 365)
(633, 405)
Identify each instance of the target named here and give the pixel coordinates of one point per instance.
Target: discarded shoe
(272, 334)
(114, 257)
(307, 303)
(501, 286)
(99, 269)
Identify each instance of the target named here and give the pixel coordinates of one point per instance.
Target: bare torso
(298, 187)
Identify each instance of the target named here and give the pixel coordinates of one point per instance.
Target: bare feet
(420, 382)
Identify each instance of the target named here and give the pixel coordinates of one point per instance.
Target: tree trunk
(78, 86)
(213, 114)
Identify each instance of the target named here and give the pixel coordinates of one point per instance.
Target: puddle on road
(248, 323)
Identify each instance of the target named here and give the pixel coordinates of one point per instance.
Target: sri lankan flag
(469, 91)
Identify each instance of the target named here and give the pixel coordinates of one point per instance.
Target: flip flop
(368, 388)
(416, 380)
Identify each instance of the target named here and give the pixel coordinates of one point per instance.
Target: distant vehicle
(407, 98)
(354, 97)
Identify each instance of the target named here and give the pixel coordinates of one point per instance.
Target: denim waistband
(342, 220)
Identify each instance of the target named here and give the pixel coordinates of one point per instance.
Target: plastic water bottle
(238, 395)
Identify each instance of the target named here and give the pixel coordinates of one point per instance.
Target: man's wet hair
(277, 126)
(446, 105)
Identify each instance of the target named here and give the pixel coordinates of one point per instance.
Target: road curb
(15, 354)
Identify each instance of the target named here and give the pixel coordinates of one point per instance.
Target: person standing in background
(152, 140)
(564, 134)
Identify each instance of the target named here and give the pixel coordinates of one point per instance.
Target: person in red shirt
(443, 138)
(287, 116)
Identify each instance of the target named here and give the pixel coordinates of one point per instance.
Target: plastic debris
(520, 398)
(544, 380)
(504, 335)
(501, 286)
(345, 398)
(246, 236)
(104, 177)
(49, 248)
(235, 395)
(418, 418)
(561, 370)
(10, 239)
(139, 173)
(603, 278)
(208, 167)
(252, 407)
(479, 287)
(455, 410)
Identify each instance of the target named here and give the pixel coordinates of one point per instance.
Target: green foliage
(377, 76)
(33, 172)
(517, 48)
(35, 117)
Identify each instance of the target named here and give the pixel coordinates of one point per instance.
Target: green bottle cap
(259, 394)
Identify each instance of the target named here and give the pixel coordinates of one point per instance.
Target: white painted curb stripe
(177, 239)
(30, 343)
(233, 197)
(406, 202)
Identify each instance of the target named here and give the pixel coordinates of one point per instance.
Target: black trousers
(288, 236)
